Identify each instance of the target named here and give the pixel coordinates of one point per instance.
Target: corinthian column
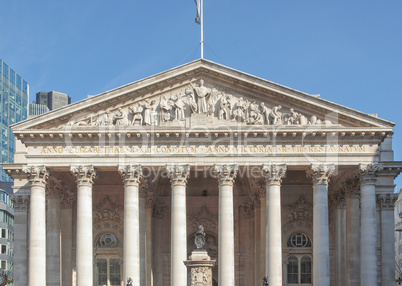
(85, 178)
(53, 189)
(273, 245)
(320, 175)
(131, 268)
(226, 271)
(368, 239)
(178, 175)
(38, 176)
(351, 188)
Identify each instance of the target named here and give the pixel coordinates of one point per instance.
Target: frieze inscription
(205, 149)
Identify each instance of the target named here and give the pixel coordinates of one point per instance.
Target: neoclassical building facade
(287, 186)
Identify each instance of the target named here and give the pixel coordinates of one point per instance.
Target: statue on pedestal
(199, 237)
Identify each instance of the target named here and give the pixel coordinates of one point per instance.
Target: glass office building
(6, 231)
(14, 92)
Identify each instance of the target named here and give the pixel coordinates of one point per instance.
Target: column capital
(53, 188)
(351, 187)
(320, 174)
(178, 173)
(20, 202)
(368, 173)
(131, 173)
(387, 201)
(273, 173)
(67, 198)
(37, 175)
(85, 175)
(226, 173)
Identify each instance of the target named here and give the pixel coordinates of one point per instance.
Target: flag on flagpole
(198, 17)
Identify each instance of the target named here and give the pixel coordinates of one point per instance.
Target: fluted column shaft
(273, 251)
(352, 234)
(368, 238)
(226, 271)
(85, 176)
(320, 175)
(178, 175)
(53, 274)
(38, 176)
(131, 267)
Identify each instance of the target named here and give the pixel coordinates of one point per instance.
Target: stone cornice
(280, 133)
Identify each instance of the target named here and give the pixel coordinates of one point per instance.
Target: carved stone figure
(199, 237)
(265, 111)
(150, 115)
(292, 118)
(165, 107)
(202, 93)
(275, 116)
(225, 107)
(303, 120)
(153, 114)
(147, 112)
(179, 108)
(121, 119)
(136, 110)
(107, 119)
(193, 104)
(240, 112)
(255, 116)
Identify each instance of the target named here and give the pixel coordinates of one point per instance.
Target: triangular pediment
(202, 93)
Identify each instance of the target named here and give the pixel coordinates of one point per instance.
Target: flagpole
(202, 29)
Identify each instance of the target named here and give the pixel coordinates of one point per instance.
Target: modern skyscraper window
(14, 108)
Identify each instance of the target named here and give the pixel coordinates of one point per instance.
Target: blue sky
(350, 52)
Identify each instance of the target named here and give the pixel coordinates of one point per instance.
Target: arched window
(305, 270)
(108, 261)
(299, 264)
(293, 270)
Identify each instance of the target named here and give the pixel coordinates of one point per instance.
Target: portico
(130, 174)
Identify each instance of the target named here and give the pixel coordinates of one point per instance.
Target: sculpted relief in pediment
(197, 102)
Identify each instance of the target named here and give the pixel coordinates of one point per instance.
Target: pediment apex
(177, 95)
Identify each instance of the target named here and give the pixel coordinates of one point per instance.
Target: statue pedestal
(200, 265)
